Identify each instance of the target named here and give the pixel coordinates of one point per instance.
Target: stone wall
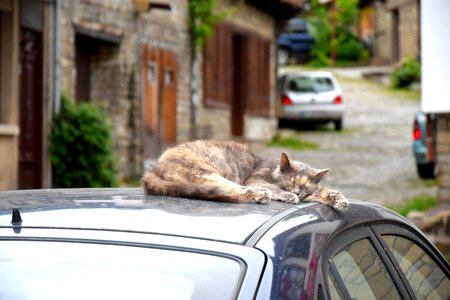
(391, 41)
(9, 152)
(116, 69)
(443, 157)
(383, 46)
(9, 94)
(409, 30)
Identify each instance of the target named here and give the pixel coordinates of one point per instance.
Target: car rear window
(426, 279)
(362, 272)
(62, 270)
(310, 84)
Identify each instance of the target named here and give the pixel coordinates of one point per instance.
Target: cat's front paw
(261, 196)
(287, 197)
(338, 201)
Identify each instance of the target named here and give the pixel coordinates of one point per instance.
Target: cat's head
(297, 177)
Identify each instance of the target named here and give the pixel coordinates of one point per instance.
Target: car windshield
(305, 84)
(62, 270)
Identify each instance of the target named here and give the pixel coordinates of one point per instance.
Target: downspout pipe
(57, 55)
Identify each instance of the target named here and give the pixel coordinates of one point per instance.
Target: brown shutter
(218, 67)
(258, 73)
(218, 70)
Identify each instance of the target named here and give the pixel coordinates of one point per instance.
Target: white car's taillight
(286, 100)
(338, 100)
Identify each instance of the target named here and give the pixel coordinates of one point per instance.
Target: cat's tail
(154, 184)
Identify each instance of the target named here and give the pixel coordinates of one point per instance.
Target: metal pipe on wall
(57, 54)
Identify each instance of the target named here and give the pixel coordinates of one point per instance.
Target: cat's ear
(285, 164)
(317, 175)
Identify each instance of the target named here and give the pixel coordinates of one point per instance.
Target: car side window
(360, 269)
(425, 277)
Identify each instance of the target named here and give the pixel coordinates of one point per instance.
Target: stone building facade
(129, 57)
(112, 35)
(392, 28)
(133, 57)
(218, 118)
(26, 92)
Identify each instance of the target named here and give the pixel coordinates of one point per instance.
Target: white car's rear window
(65, 270)
(310, 84)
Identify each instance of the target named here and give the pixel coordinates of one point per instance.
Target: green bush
(417, 203)
(292, 142)
(349, 48)
(80, 147)
(406, 74)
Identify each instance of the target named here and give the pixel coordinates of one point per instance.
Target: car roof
(129, 209)
(297, 24)
(310, 74)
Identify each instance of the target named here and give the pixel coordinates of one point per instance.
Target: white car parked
(310, 96)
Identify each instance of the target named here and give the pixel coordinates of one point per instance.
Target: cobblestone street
(371, 159)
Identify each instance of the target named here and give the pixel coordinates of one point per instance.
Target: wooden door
(159, 105)
(239, 86)
(30, 110)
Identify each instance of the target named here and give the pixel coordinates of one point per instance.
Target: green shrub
(349, 48)
(406, 74)
(80, 147)
(292, 142)
(417, 203)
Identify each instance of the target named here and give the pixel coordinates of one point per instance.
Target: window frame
(253, 261)
(353, 235)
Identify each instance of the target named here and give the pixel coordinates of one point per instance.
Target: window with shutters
(219, 66)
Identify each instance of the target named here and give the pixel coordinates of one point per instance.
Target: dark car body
(176, 248)
(295, 43)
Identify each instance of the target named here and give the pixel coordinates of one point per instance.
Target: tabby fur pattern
(227, 171)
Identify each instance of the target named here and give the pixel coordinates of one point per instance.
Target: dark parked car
(120, 244)
(422, 154)
(295, 43)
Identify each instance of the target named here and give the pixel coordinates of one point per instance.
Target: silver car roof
(128, 209)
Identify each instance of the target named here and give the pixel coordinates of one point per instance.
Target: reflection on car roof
(130, 210)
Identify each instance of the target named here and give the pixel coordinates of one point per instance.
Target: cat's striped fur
(230, 172)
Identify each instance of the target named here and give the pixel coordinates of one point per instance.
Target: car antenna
(16, 217)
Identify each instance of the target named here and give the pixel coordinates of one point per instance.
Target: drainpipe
(56, 58)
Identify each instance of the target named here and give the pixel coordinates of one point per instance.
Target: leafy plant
(292, 142)
(80, 146)
(203, 18)
(406, 74)
(348, 47)
(418, 203)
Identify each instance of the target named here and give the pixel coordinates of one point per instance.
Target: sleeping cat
(230, 172)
